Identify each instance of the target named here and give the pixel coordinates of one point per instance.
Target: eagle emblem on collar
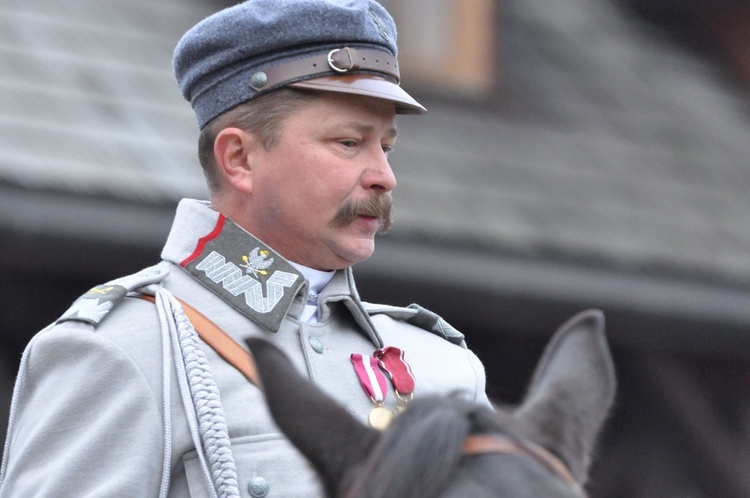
(256, 263)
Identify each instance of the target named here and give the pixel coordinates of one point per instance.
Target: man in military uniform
(296, 101)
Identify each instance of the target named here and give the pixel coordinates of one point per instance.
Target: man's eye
(387, 149)
(348, 143)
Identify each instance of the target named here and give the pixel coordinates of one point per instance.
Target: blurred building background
(576, 154)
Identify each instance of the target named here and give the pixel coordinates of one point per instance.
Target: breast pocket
(267, 466)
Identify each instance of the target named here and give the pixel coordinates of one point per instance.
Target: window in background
(448, 45)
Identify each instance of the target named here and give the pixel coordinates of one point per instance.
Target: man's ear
(234, 153)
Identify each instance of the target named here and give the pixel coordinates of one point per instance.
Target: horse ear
(572, 391)
(326, 433)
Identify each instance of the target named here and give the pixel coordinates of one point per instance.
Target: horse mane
(428, 439)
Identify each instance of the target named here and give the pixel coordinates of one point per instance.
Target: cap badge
(380, 24)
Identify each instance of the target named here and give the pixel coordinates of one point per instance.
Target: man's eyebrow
(366, 128)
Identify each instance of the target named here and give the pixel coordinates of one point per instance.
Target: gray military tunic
(101, 408)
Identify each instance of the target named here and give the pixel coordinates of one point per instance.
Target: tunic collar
(232, 264)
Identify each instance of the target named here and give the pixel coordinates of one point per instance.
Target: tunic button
(258, 487)
(316, 344)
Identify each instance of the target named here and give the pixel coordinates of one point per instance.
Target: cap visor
(368, 85)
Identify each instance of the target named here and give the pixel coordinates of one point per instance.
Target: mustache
(378, 206)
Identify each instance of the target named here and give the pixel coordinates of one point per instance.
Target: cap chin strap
(337, 61)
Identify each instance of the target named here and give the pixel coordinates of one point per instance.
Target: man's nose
(379, 175)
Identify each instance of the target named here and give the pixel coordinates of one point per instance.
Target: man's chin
(356, 252)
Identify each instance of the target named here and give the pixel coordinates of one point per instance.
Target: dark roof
(89, 104)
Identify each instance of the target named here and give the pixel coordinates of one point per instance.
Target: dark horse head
(449, 447)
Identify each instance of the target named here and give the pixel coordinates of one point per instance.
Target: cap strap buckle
(332, 60)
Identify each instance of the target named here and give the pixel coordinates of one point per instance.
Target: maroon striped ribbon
(370, 377)
(391, 360)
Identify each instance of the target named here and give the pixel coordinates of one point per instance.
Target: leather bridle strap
(495, 443)
(220, 341)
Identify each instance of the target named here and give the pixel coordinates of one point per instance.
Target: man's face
(321, 193)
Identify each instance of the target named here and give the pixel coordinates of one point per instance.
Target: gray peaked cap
(257, 46)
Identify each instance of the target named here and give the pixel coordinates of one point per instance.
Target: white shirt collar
(317, 280)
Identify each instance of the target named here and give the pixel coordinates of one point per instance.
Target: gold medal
(380, 417)
(373, 381)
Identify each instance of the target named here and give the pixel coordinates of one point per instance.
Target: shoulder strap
(420, 317)
(220, 341)
(96, 304)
